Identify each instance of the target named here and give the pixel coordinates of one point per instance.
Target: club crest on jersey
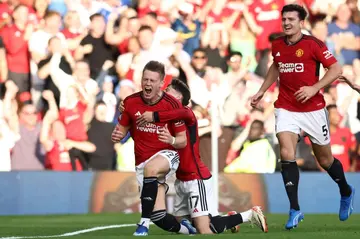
(299, 52)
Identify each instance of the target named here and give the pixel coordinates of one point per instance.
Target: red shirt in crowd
(267, 16)
(73, 120)
(161, 16)
(58, 159)
(5, 11)
(17, 53)
(342, 141)
(70, 35)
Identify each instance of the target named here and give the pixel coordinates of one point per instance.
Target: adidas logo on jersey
(195, 210)
(138, 113)
(277, 54)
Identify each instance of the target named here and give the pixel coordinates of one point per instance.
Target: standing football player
(161, 159)
(193, 186)
(300, 106)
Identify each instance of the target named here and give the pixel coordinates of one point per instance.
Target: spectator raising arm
(112, 37)
(51, 116)
(3, 62)
(59, 77)
(10, 112)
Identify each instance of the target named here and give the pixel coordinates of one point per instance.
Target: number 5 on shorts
(325, 130)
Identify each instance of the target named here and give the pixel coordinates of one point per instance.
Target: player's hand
(305, 93)
(121, 107)
(146, 117)
(256, 99)
(117, 135)
(165, 136)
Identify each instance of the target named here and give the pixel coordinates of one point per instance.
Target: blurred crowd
(65, 65)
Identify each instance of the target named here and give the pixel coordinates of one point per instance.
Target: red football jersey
(17, 53)
(298, 66)
(267, 16)
(342, 141)
(191, 167)
(73, 120)
(146, 137)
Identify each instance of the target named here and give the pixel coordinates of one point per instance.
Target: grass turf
(314, 226)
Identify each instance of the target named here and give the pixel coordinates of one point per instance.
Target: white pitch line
(76, 232)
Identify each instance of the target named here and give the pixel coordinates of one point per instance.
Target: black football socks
(336, 172)
(290, 174)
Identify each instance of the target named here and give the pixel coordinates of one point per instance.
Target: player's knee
(157, 167)
(151, 171)
(202, 225)
(325, 161)
(287, 154)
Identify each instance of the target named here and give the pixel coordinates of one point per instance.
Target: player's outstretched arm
(271, 77)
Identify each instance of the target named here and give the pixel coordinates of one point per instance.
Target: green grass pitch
(314, 226)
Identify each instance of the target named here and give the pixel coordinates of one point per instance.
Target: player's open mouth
(287, 27)
(148, 90)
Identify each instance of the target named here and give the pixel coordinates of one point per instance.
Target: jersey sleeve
(184, 114)
(178, 126)
(323, 55)
(125, 119)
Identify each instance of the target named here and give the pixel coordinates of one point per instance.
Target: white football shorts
(194, 198)
(314, 123)
(171, 156)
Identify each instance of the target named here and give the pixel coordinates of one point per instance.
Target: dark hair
(155, 66)
(182, 88)
(96, 15)
(275, 35)
(133, 18)
(295, 8)
(202, 50)
(261, 110)
(98, 103)
(144, 28)
(152, 14)
(53, 38)
(316, 21)
(330, 107)
(234, 53)
(261, 123)
(51, 13)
